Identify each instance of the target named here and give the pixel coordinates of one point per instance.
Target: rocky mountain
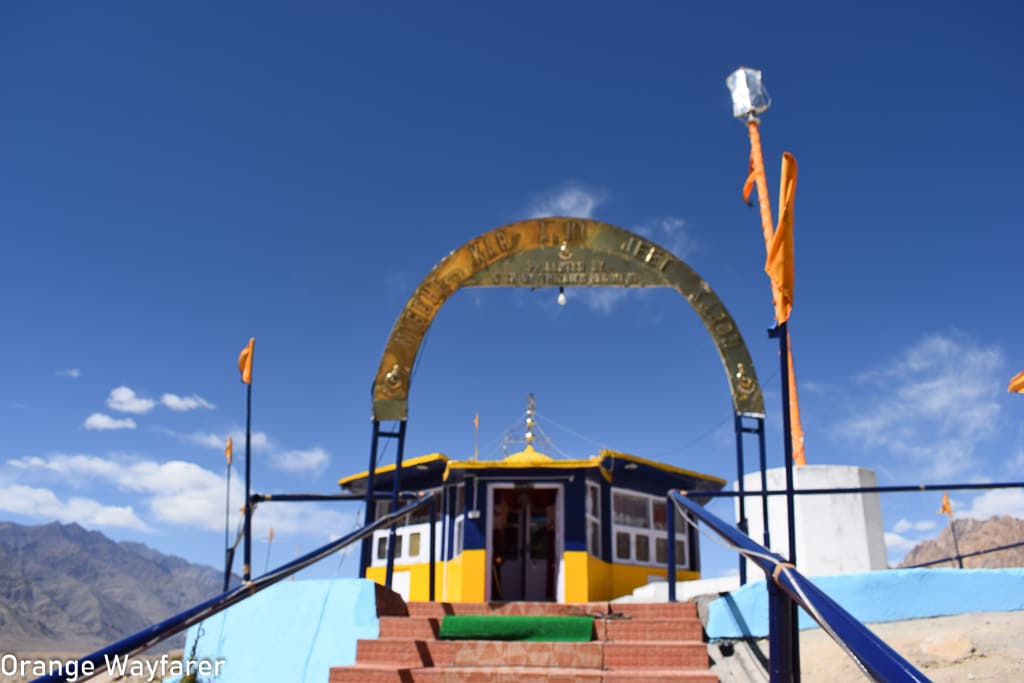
(974, 535)
(62, 585)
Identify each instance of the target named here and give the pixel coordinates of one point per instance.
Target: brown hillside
(974, 535)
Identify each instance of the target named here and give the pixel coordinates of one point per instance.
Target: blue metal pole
(370, 513)
(782, 331)
(247, 563)
(780, 634)
(742, 523)
(432, 512)
(396, 486)
(764, 482)
(670, 510)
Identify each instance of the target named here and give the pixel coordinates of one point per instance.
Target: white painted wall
(835, 534)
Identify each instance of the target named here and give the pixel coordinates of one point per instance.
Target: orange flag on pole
(1017, 383)
(245, 361)
(748, 185)
(228, 450)
(779, 264)
(796, 427)
(946, 508)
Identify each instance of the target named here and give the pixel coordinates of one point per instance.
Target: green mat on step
(500, 627)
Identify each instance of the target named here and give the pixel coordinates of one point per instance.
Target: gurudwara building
(531, 527)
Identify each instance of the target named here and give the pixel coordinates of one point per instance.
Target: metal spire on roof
(531, 409)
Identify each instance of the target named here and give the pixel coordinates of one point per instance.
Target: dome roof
(527, 456)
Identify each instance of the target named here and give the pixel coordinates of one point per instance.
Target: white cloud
(184, 403)
(1018, 459)
(605, 299)
(931, 407)
(183, 493)
(37, 502)
(905, 525)
(995, 502)
(814, 387)
(671, 233)
(124, 400)
(571, 200)
(897, 544)
(100, 422)
(73, 373)
(217, 441)
(310, 460)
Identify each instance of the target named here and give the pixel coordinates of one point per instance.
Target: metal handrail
(167, 628)
(785, 584)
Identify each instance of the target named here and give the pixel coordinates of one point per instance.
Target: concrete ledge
(294, 631)
(881, 596)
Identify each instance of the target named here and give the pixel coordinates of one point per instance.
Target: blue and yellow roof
(621, 469)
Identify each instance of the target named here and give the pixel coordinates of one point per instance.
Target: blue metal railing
(94, 664)
(787, 586)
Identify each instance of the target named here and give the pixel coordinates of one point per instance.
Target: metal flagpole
(228, 554)
(247, 562)
(245, 367)
(750, 99)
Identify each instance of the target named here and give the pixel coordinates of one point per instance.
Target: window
(622, 546)
(422, 516)
(643, 548)
(593, 519)
(640, 521)
(382, 546)
(398, 546)
(414, 544)
(631, 509)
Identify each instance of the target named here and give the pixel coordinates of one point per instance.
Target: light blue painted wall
(294, 631)
(892, 595)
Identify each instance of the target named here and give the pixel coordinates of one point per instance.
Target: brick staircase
(632, 642)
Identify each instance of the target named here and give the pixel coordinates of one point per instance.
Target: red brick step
(634, 642)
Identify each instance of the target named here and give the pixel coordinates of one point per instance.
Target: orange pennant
(245, 361)
(946, 508)
(796, 427)
(1017, 383)
(748, 185)
(779, 264)
(229, 450)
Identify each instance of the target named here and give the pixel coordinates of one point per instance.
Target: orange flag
(270, 537)
(245, 361)
(779, 264)
(796, 427)
(748, 185)
(228, 450)
(476, 420)
(946, 508)
(1017, 383)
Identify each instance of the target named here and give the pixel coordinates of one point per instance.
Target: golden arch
(553, 252)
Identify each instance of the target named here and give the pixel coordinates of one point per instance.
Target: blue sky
(179, 178)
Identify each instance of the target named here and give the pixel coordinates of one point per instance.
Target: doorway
(525, 543)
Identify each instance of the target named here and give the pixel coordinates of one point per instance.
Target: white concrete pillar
(835, 534)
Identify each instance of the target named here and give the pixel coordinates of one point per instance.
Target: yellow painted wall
(587, 578)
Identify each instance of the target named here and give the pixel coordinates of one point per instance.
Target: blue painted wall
(892, 595)
(295, 631)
